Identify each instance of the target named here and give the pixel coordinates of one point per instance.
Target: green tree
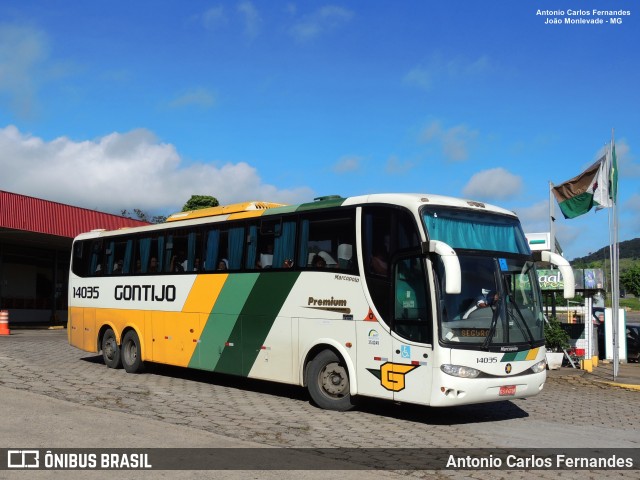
(196, 202)
(143, 216)
(630, 279)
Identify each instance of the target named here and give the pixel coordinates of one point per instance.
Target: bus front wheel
(111, 350)
(328, 382)
(131, 353)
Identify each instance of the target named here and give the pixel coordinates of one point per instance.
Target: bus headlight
(460, 371)
(540, 366)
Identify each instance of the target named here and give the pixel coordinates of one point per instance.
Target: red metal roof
(31, 214)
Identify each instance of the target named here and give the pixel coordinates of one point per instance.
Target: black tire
(328, 382)
(131, 353)
(111, 350)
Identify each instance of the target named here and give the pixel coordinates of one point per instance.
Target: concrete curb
(627, 386)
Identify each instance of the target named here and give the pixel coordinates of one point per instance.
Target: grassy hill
(629, 257)
(629, 249)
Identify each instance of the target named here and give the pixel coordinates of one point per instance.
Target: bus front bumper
(450, 391)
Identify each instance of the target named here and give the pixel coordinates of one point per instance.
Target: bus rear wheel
(111, 350)
(328, 382)
(131, 353)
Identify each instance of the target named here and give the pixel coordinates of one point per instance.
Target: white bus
(408, 297)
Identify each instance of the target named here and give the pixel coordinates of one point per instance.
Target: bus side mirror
(453, 274)
(565, 269)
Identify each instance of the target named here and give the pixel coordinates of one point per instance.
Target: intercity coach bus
(408, 297)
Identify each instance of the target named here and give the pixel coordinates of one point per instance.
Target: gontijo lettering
(145, 293)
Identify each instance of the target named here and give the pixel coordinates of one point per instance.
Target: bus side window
(149, 255)
(326, 241)
(85, 257)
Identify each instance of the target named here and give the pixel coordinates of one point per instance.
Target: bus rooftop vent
(223, 210)
(327, 197)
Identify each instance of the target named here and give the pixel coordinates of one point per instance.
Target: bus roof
(251, 209)
(223, 210)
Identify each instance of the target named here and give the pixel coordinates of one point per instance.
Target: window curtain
(213, 245)
(169, 252)
(285, 244)
(110, 259)
(145, 253)
(94, 257)
(502, 237)
(191, 251)
(303, 256)
(252, 247)
(160, 253)
(126, 267)
(236, 244)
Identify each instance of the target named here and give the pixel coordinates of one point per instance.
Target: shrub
(555, 337)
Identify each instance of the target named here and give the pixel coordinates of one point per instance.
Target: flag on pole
(613, 174)
(588, 190)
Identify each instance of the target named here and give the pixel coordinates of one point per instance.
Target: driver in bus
(489, 298)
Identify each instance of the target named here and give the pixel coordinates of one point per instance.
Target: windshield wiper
(494, 322)
(521, 321)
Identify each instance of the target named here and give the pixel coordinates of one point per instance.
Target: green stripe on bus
(333, 202)
(509, 357)
(280, 210)
(515, 356)
(257, 317)
(522, 356)
(222, 320)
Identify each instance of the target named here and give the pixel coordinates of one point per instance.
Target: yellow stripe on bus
(204, 293)
(249, 214)
(182, 330)
(533, 353)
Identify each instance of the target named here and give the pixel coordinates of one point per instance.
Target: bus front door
(410, 370)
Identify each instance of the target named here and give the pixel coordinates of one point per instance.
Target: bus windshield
(500, 302)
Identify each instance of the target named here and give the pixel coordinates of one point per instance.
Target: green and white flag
(588, 190)
(613, 174)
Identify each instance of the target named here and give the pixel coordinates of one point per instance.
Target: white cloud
(217, 18)
(454, 141)
(321, 21)
(214, 17)
(438, 69)
(23, 50)
(627, 166)
(125, 171)
(496, 183)
(251, 17)
(534, 218)
(198, 97)
(349, 163)
(395, 166)
(419, 77)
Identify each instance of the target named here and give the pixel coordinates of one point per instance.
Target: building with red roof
(35, 249)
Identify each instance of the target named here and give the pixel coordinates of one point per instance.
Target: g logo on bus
(392, 375)
(507, 368)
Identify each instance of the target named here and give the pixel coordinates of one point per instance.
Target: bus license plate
(507, 390)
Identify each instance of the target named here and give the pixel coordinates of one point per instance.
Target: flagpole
(552, 220)
(615, 267)
(552, 239)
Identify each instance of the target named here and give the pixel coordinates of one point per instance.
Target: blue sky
(120, 105)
